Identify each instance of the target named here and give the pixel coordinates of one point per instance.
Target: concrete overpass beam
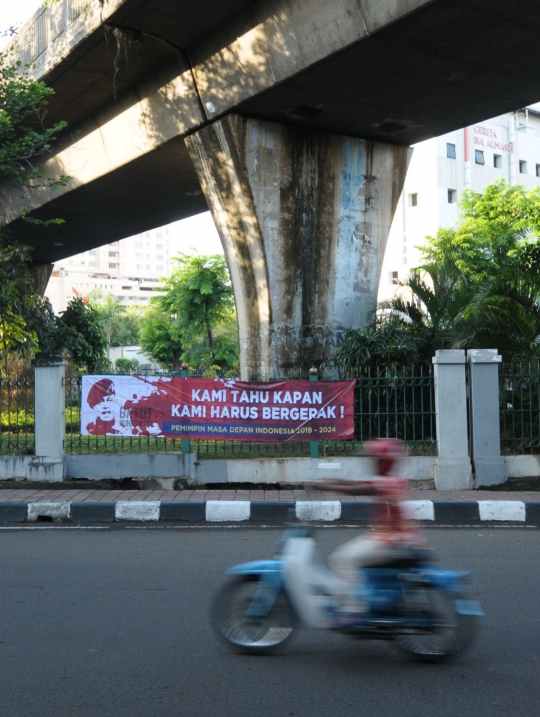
(304, 218)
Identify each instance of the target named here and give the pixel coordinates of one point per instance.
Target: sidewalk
(97, 506)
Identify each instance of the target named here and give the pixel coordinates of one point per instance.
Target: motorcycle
(424, 609)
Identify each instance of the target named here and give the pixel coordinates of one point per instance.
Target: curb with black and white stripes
(221, 511)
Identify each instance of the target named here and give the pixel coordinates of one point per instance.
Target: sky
(194, 235)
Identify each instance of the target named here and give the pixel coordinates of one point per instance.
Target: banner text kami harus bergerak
(197, 408)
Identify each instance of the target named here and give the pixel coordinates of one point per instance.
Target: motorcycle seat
(407, 558)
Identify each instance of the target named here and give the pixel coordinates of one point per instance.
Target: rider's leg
(345, 561)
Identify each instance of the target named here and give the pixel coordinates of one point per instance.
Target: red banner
(217, 409)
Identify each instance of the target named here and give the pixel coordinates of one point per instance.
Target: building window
(113, 253)
(413, 200)
(522, 166)
(479, 156)
(159, 268)
(497, 161)
(92, 263)
(450, 150)
(112, 266)
(92, 252)
(538, 170)
(452, 196)
(393, 277)
(159, 246)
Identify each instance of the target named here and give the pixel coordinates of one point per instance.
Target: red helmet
(386, 452)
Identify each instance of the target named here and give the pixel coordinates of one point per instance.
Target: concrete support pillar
(453, 466)
(49, 418)
(304, 218)
(490, 467)
(40, 274)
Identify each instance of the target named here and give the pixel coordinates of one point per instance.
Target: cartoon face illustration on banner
(103, 401)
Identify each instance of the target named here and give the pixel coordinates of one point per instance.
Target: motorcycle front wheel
(230, 615)
(448, 635)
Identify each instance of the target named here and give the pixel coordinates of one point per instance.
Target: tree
(82, 336)
(496, 228)
(15, 289)
(196, 314)
(120, 324)
(24, 136)
(159, 338)
(26, 319)
(480, 284)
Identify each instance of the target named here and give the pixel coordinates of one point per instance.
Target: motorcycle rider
(391, 531)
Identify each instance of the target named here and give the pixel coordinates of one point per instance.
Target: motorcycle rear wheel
(245, 633)
(450, 636)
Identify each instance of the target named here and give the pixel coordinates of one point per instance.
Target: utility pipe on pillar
(511, 140)
(466, 151)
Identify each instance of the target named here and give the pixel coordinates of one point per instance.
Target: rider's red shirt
(390, 522)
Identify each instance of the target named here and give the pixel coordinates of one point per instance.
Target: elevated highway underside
(136, 77)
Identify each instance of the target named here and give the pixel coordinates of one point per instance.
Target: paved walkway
(188, 506)
(16, 494)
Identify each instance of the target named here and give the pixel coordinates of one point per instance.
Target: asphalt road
(115, 623)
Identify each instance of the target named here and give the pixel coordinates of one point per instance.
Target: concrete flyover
(287, 106)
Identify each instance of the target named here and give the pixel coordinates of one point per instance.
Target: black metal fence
(16, 416)
(519, 397)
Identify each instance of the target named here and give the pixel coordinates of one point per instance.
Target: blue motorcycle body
(427, 610)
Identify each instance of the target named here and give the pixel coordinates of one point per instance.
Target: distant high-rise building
(131, 268)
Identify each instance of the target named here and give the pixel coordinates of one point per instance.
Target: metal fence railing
(16, 416)
(387, 404)
(519, 398)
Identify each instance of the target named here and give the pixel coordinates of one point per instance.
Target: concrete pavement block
(513, 510)
(181, 510)
(465, 511)
(137, 510)
(223, 510)
(56, 510)
(355, 510)
(272, 510)
(13, 512)
(532, 512)
(419, 509)
(92, 512)
(318, 509)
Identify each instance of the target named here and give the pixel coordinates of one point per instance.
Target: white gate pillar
(490, 468)
(453, 467)
(49, 419)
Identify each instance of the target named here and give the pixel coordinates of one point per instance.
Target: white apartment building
(506, 147)
(130, 269)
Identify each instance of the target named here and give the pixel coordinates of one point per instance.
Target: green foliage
(120, 323)
(159, 338)
(194, 320)
(480, 284)
(124, 365)
(16, 299)
(80, 333)
(390, 343)
(199, 295)
(24, 137)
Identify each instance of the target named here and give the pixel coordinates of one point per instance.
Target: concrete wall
(168, 467)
